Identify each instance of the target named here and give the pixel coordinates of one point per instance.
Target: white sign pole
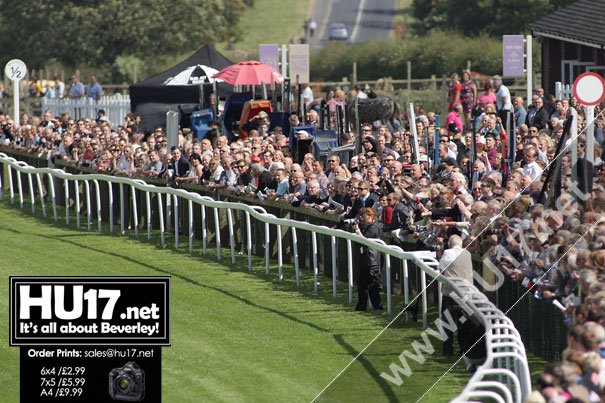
(16, 103)
(589, 147)
(589, 90)
(172, 129)
(412, 120)
(529, 68)
(284, 60)
(15, 70)
(286, 97)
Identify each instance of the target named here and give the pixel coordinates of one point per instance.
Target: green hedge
(436, 53)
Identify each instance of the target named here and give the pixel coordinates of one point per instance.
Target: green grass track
(236, 336)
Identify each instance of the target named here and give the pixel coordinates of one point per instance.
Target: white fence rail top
(505, 374)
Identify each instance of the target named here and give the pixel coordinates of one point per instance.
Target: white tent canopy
(198, 74)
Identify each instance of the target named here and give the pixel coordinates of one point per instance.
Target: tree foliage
(97, 32)
(437, 53)
(471, 17)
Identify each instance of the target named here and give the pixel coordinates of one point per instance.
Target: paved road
(366, 20)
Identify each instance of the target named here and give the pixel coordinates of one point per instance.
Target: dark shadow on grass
(305, 290)
(369, 368)
(287, 285)
(184, 278)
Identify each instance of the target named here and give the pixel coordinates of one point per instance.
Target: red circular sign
(589, 88)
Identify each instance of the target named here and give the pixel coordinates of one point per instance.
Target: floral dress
(467, 96)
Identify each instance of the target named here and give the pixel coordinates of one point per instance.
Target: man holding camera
(368, 282)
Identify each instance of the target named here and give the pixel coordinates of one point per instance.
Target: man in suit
(356, 203)
(456, 262)
(181, 164)
(537, 115)
(400, 213)
(366, 198)
(262, 178)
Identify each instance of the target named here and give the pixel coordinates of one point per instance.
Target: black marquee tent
(152, 98)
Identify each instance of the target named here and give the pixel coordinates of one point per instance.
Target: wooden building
(573, 42)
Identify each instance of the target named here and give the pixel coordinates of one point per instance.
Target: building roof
(580, 22)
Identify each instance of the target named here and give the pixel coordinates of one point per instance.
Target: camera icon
(127, 383)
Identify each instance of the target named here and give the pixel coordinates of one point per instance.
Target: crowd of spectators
(552, 244)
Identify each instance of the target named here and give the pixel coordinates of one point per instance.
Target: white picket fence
(115, 106)
(563, 91)
(504, 377)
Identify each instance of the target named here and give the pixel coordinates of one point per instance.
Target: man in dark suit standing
(537, 115)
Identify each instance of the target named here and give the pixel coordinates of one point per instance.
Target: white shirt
(532, 169)
(58, 90)
(216, 175)
(307, 95)
(230, 176)
(503, 94)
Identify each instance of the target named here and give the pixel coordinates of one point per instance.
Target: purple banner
(269, 55)
(513, 55)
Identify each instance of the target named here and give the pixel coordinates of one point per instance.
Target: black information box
(91, 374)
(90, 339)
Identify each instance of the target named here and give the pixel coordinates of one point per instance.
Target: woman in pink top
(488, 96)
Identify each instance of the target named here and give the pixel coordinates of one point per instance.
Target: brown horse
(383, 108)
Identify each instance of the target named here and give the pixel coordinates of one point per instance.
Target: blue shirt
(282, 188)
(94, 91)
(77, 90)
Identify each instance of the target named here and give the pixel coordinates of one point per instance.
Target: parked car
(338, 30)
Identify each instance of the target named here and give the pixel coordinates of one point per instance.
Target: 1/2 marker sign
(15, 70)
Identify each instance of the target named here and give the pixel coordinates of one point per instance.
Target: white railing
(563, 91)
(504, 376)
(115, 106)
